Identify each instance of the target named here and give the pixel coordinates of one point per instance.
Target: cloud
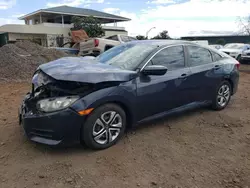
(86, 6)
(4, 21)
(74, 3)
(211, 17)
(111, 10)
(6, 4)
(203, 8)
(161, 2)
(17, 15)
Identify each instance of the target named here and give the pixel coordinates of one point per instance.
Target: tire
(222, 96)
(108, 118)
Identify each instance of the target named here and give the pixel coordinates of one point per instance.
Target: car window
(113, 38)
(199, 55)
(126, 56)
(125, 38)
(247, 47)
(172, 58)
(132, 39)
(235, 46)
(216, 57)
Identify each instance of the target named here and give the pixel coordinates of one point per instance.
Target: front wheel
(222, 96)
(104, 127)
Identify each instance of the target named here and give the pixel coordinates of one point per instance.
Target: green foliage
(220, 41)
(89, 24)
(141, 37)
(162, 35)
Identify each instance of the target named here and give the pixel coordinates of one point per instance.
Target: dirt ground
(197, 149)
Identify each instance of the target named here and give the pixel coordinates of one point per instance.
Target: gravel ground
(200, 148)
(19, 61)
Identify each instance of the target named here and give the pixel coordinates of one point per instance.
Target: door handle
(183, 76)
(216, 67)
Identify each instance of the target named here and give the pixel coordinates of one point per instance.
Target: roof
(161, 42)
(212, 36)
(74, 11)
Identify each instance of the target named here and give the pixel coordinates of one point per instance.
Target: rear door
(206, 71)
(161, 93)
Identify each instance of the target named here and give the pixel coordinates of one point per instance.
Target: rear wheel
(104, 127)
(222, 96)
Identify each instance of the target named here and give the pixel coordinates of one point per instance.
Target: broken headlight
(55, 104)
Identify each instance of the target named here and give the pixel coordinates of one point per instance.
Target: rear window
(216, 56)
(199, 56)
(115, 37)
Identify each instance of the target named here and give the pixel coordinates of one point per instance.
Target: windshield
(235, 46)
(127, 56)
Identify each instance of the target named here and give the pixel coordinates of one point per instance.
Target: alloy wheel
(223, 95)
(107, 127)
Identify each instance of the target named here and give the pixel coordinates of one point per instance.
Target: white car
(245, 57)
(216, 46)
(235, 50)
(96, 46)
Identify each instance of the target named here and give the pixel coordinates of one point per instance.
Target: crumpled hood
(231, 50)
(82, 69)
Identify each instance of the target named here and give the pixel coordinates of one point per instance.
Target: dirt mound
(19, 61)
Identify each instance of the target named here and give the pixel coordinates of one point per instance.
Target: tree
(244, 25)
(220, 41)
(89, 24)
(162, 35)
(141, 37)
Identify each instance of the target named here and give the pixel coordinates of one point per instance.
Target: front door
(156, 94)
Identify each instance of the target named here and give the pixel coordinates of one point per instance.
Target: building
(46, 25)
(223, 38)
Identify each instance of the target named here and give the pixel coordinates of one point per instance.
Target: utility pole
(149, 31)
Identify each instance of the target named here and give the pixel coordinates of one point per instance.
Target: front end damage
(56, 126)
(44, 87)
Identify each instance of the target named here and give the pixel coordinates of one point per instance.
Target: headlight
(54, 104)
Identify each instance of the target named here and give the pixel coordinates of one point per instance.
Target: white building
(46, 25)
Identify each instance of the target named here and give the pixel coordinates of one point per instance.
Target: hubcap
(107, 127)
(223, 95)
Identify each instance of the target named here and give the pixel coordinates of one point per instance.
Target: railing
(56, 25)
(71, 25)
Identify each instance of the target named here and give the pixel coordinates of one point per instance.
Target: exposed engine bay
(44, 86)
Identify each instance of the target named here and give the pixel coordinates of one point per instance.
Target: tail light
(96, 42)
(237, 65)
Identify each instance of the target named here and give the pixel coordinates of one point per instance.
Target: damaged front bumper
(55, 128)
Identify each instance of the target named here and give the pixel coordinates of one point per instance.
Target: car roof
(236, 43)
(163, 42)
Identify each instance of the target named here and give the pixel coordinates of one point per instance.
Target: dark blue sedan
(93, 101)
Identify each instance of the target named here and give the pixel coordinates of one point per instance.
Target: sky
(178, 17)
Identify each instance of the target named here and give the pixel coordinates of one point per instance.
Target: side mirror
(155, 70)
